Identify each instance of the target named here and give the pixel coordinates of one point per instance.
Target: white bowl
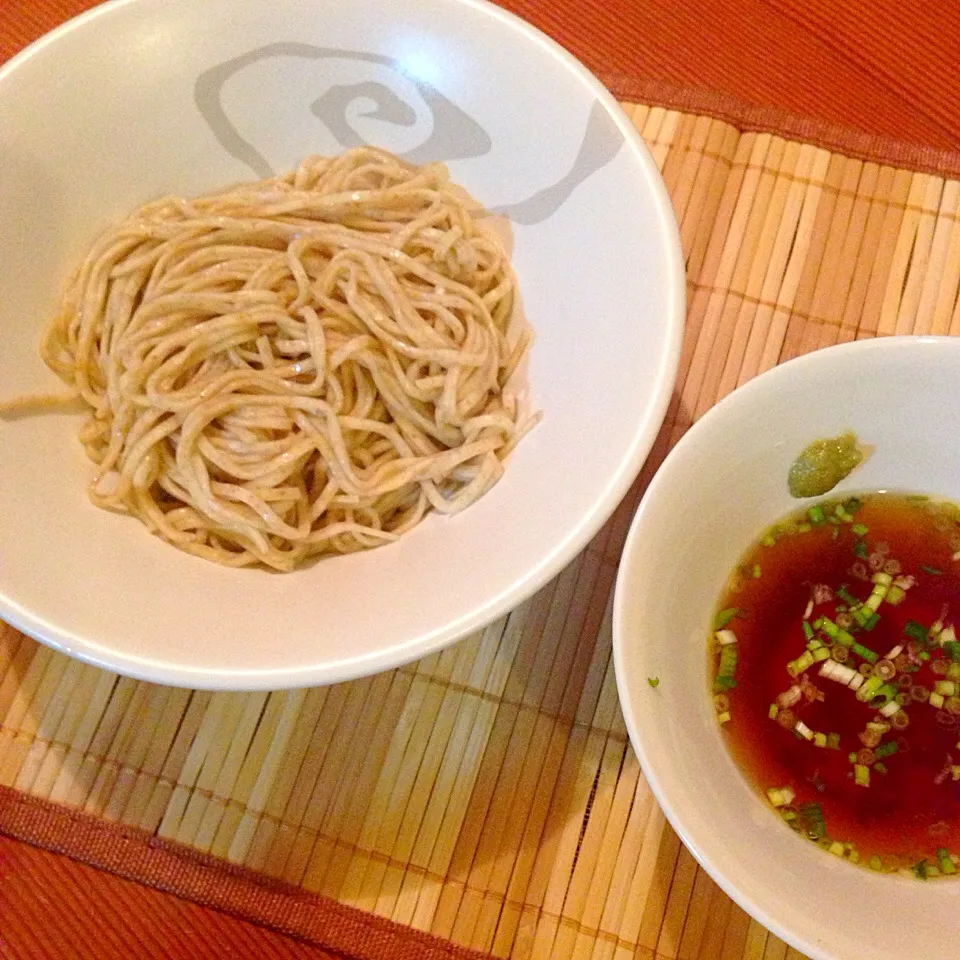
(717, 490)
(142, 98)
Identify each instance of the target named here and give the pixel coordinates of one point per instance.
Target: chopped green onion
(886, 749)
(773, 711)
(946, 688)
(728, 659)
(803, 662)
(833, 741)
(812, 823)
(834, 632)
(725, 616)
(860, 549)
(846, 596)
(789, 697)
(781, 796)
(808, 631)
(859, 529)
(874, 618)
(837, 848)
(869, 689)
(861, 775)
(936, 700)
(888, 691)
(820, 739)
(933, 571)
(852, 505)
(895, 595)
(756, 571)
(915, 631)
(653, 681)
(892, 709)
(804, 731)
(952, 649)
(920, 869)
(816, 515)
(880, 767)
(877, 727)
(865, 652)
(724, 683)
(946, 863)
(769, 540)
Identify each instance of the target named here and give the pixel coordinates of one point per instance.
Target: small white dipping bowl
(726, 481)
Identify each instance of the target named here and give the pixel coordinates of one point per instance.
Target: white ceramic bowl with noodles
(723, 484)
(140, 99)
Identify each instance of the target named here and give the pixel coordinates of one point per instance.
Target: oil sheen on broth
(836, 672)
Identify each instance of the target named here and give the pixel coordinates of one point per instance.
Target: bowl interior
(143, 98)
(721, 486)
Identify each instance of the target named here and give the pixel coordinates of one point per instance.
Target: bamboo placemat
(488, 794)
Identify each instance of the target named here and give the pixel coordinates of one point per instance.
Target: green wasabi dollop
(822, 465)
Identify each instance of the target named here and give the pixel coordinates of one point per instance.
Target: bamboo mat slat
(488, 793)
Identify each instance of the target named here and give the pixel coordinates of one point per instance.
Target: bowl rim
(640, 740)
(551, 562)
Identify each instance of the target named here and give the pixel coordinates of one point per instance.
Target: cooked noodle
(298, 366)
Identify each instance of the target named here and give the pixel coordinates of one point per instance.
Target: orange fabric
(101, 917)
(174, 869)
(887, 67)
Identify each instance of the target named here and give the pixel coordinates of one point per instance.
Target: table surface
(887, 72)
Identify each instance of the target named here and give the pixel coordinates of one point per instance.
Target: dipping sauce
(836, 668)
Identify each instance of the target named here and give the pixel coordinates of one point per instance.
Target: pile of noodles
(298, 366)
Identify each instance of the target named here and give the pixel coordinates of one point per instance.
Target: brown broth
(903, 816)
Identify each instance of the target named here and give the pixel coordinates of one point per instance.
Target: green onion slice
(725, 616)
